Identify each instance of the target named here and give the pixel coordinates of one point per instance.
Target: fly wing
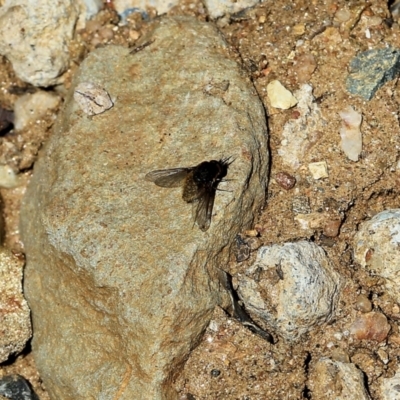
(203, 210)
(168, 177)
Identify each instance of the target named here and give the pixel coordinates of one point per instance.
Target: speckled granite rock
(120, 283)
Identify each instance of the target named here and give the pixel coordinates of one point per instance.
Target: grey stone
(376, 248)
(15, 324)
(121, 284)
(335, 380)
(34, 36)
(291, 287)
(371, 69)
(15, 387)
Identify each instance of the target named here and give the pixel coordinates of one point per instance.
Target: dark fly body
(199, 185)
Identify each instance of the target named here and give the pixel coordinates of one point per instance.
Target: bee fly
(199, 185)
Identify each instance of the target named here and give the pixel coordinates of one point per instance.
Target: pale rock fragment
(291, 287)
(34, 36)
(8, 178)
(299, 134)
(335, 380)
(390, 387)
(350, 134)
(15, 324)
(219, 8)
(319, 170)
(31, 107)
(279, 96)
(376, 248)
(125, 7)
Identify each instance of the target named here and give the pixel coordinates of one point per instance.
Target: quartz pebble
(370, 326)
(350, 134)
(363, 304)
(8, 178)
(279, 96)
(319, 170)
(31, 107)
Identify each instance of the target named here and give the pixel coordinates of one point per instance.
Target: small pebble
(340, 355)
(16, 387)
(8, 178)
(332, 228)
(279, 96)
(285, 180)
(363, 304)
(370, 326)
(301, 205)
(251, 233)
(319, 170)
(383, 355)
(351, 138)
(304, 66)
(215, 373)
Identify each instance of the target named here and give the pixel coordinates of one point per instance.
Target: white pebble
(279, 96)
(8, 178)
(318, 170)
(350, 133)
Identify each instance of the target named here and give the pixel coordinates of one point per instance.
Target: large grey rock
(292, 287)
(120, 283)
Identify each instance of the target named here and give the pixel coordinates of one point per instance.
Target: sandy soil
(231, 362)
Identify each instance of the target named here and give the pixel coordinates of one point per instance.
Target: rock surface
(390, 387)
(15, 324)
(371, 69)
(376, 248)
(120, 283)
(335, 380)
(292, 287)
(34, 36)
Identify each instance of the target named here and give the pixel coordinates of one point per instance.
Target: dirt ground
(295, 42)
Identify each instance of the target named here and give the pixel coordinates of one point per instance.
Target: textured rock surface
(335, 380)
(120, 282)
(371, 69)
(15, 387)
(34, 36)
(390, 387)
(292, 287)
(376, 248)
(30, 107)
(15, 324)
(299, 133)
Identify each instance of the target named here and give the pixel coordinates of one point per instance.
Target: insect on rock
(199, 185)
